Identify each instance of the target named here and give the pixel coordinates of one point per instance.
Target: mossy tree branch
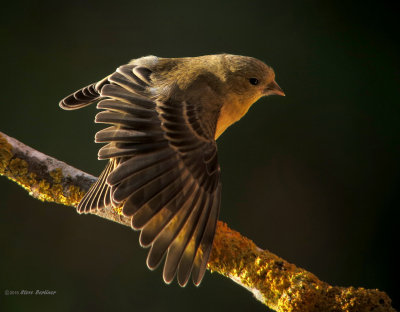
(277, 283)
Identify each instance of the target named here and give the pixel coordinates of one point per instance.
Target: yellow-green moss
(281, 285)
(239, 258)
(18, 167)
(5, 154)
(75, 195)
(56, 175)
(118, 210)
(17, 170)
(54, 190)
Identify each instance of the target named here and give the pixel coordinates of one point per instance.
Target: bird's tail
(84, 96)
(99, 194)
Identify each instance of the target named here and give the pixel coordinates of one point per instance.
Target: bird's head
(246, 80)
(250, 78)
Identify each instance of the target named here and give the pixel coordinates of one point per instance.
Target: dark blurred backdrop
(313, 177)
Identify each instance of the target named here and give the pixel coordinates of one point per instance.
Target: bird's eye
(253, 81)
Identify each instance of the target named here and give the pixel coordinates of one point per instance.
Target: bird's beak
(273, 88)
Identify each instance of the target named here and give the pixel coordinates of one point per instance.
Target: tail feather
(98, 196)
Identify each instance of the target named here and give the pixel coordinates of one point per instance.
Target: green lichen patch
(57, 175)
(75, 195)
(118, 210)
(41, 185)
(54, 190)
(18, 167)
(5, 154)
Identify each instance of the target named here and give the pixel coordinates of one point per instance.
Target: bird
(164, 116)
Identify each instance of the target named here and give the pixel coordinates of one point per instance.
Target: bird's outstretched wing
(163, 169)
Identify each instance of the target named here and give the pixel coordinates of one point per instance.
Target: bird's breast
(231, 111)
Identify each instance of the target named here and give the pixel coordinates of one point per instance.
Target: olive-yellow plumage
(165, 115)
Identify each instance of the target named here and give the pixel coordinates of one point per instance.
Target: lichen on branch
(278, 284)
(44, 177)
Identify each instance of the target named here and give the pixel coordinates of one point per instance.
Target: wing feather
(179, 244)
(173, 227)
(163, 169)
(204, 250)
(84, 96)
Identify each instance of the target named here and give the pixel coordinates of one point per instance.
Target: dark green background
(313, 177)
